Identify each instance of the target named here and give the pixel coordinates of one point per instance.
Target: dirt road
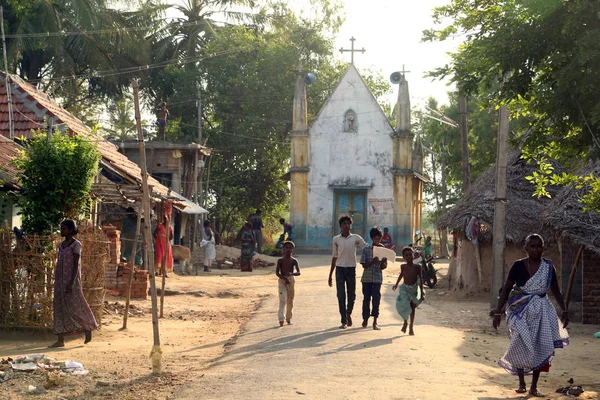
(207, 356)
(452, 356)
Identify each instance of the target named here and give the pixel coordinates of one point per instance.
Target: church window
(350, 122)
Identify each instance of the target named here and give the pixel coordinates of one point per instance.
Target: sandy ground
(221, 340)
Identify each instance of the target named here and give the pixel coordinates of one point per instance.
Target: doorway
(354, 204)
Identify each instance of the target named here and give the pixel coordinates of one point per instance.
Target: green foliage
(56, 177)
(539, 57)
(482, 124)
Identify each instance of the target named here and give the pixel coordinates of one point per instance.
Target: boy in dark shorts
(411, 290)
(372, 278)
(285, 273)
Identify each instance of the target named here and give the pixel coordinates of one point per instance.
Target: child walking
(285, 273)
(411, 290)
(372, 278)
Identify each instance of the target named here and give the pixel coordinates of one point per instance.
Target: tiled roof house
(34, 109)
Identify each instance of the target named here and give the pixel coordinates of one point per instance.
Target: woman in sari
(72, 314)
(532, 323)
(247, 248)
(160, 236)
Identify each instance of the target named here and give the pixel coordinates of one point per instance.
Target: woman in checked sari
(532, 323)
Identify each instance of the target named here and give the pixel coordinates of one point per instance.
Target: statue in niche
(350, 122)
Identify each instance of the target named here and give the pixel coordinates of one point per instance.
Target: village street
(452, 356)
(221, 340)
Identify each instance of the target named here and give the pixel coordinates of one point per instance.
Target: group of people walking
(534, 328)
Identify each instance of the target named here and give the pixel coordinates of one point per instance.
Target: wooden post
(11, 128)
(165, 254)
(156, 351)
(132, 259)
(572, 276)
(444, 232)
(464, 133)
(500, 203)
(207, 181)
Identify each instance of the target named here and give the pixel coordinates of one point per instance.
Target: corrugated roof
(32, 109)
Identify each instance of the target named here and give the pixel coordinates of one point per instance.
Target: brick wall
(591, 287)
(117, 274)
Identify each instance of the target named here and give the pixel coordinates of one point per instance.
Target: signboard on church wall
(381, 206)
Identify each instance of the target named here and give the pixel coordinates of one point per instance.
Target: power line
(130, 70)
(100, 31)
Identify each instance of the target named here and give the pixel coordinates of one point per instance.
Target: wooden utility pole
(156, 351)
(132, 260)
(444, 232)
(196, 175)
(464, 133)
(500, 204)
(167, 224)
(11, 128)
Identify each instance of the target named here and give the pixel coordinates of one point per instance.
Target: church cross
(352, 51)
(403, 72)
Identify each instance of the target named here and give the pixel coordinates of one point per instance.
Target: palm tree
(182, 38)
(84, 38)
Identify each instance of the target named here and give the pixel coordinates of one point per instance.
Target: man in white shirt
(344, 264)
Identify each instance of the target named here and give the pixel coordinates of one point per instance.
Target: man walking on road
(257, 226)
(344, 264)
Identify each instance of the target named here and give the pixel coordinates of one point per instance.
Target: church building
(351, 161)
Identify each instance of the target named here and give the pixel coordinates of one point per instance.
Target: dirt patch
(202, 317)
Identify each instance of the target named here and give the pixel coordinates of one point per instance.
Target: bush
(56, 177)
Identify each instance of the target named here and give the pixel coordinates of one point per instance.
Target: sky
(391, 31)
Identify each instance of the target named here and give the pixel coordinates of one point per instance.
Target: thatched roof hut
(578, 233)
(523, 214)
(566, 216)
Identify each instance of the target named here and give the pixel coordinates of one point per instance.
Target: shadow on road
(301, 341)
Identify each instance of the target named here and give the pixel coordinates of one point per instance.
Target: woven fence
(27, 267)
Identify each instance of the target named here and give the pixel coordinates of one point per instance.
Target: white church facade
(353, 162)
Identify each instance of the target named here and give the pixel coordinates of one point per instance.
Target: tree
(56, 177)
(77, 50)
(440, 138)
(542, 59)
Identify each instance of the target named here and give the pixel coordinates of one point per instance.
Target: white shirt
(344, 249)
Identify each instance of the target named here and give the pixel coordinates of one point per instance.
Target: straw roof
(523, 214)
(565, 214)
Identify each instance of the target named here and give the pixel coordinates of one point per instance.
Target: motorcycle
(427, 269)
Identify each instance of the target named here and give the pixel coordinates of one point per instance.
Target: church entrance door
(354, 204)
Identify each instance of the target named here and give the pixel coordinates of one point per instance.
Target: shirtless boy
(411, 290)
(285, 273)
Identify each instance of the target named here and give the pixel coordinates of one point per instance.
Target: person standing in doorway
(72, 314)
(343, 263)
(257, 227)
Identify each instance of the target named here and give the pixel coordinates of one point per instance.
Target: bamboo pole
(132, 259)
(164, 259)
(155, 355)
(572, 276)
